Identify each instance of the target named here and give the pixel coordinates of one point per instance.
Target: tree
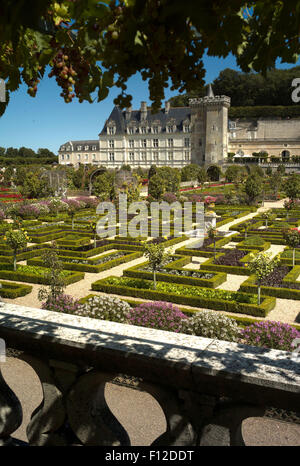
(234, 174)
(261, 265)
(253, 188)
(128, 37)
(275, 182)
(53, 275)
(267, 216)
(171, 178)
(34, 186)
(8, 174)
(20, 176)
(103, 186)
(156, 187)
(156, 256)
(26, 152)
(292, 187)
(16, 239)
(214, 173)
(202, 176)
(152, 171)
(281, 169)
(292, 239)
(44, 152)
(190, 172)
(212, 234)
(288, 205)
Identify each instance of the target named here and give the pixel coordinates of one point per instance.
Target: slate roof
(178, 114)
(89, 142)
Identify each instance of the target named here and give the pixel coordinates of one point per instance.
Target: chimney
(128, 113)
(143, 110)
(167, 107)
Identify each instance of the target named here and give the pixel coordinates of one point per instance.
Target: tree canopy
(249, 89)
(93, 45)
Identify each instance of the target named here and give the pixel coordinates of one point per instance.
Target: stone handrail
(205, 387)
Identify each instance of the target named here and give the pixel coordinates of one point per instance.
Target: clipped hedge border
(216, 280)
(31, 278)
(231, 269)
(14, 290)
(262, 310)
(93, 268)
(249, 286)
(243, 245)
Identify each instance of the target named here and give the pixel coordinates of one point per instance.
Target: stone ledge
(177, 360)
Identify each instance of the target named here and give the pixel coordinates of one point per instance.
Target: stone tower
(209, 120)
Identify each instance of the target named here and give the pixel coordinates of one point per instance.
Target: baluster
(11, 414)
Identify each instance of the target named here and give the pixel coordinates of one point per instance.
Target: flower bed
(281, 283)
(173, 272)
(35, 274)
(232, 262)
(186, 294)
(94, 265)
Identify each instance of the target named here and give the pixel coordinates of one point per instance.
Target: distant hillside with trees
(250, 89)
(26, 156)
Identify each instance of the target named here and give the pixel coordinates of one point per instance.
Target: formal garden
(245, 271)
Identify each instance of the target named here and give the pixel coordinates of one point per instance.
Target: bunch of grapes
(32, 87)
(65, 74)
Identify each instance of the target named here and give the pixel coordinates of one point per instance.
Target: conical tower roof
(210, 92)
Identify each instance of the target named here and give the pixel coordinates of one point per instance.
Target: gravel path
(285, 310)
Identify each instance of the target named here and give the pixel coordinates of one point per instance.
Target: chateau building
(176, 136)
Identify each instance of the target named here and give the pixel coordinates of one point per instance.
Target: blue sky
(47, 121)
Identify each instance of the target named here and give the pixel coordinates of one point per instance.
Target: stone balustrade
(205, 387)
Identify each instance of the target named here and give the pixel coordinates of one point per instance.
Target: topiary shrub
(105, 308)
(212, 325)
(159, 315)
(61, 303)
(270, 334)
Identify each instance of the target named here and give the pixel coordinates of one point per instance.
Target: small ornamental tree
(94, 230)
(267, 216)
(292, 187)
(245, 228)
(156, 186)
(253, 188)
(53, 275)
(212, 234)
(288, 205)
(261, 265)
(202, 176)
(292, 239)
(16, 239)
(156, 256)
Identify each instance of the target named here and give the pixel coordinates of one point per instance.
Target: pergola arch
(99, 170)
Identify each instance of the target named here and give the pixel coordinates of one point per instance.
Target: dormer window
(170, 128)
(86, 148)
(131, 130)
(143, 130)
(186, 128)
(68, 148)
(94, 147)
(232, 125)
(111, 127)
(63, 148)
(78, 147)
(155, 129)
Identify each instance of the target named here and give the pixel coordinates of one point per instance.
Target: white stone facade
(177, 136)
